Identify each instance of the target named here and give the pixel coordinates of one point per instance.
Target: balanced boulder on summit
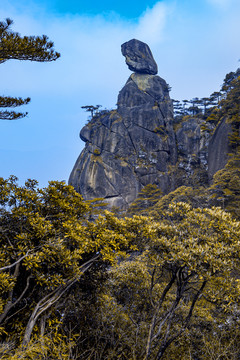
(139, 57)
(138, 143)
(131, 146)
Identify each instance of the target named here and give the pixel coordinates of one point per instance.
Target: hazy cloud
(91, 70)
(151, 24)
(221, 3)
(90, 47)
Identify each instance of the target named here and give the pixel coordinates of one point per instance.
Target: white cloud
(151, 24)
(193, 55)
(91, 70)
(90, 48)
(221, 3)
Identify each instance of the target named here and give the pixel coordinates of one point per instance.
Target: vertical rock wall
(137, 144)
(131, 146)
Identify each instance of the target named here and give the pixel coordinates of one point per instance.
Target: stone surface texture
(138, 143)
(138, 57)
(129, 147)
(218, 148)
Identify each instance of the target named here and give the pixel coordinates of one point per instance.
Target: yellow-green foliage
(160, 129)
(51, 347)
(179, 278)
(146, 198)
(47, 245)
(229, 108)
(194, 197)
(97, 152)
(225, 190)
(137, 288)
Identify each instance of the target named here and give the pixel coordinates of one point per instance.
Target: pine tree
(146, 198)
(15, 47)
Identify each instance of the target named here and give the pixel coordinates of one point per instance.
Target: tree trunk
(50, 299)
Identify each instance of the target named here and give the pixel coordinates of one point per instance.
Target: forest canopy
(76, 282)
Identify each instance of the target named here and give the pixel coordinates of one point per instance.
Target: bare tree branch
(165, 344)
(50, 299)
(15, 263)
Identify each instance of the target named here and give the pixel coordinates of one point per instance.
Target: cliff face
(218, 148)
(136, 144)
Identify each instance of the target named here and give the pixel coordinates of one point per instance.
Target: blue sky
(195, 43)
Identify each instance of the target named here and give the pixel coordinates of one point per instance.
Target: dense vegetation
(78, 282)
(81, 285)
(159, 282)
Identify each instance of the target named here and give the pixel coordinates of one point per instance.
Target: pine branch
(11, 115)
(33, 48)
(6, 101)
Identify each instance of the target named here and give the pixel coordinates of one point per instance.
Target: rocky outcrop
(139, 143)
(131, 146)
(139, 57)
(219, 148)
(192, 136)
